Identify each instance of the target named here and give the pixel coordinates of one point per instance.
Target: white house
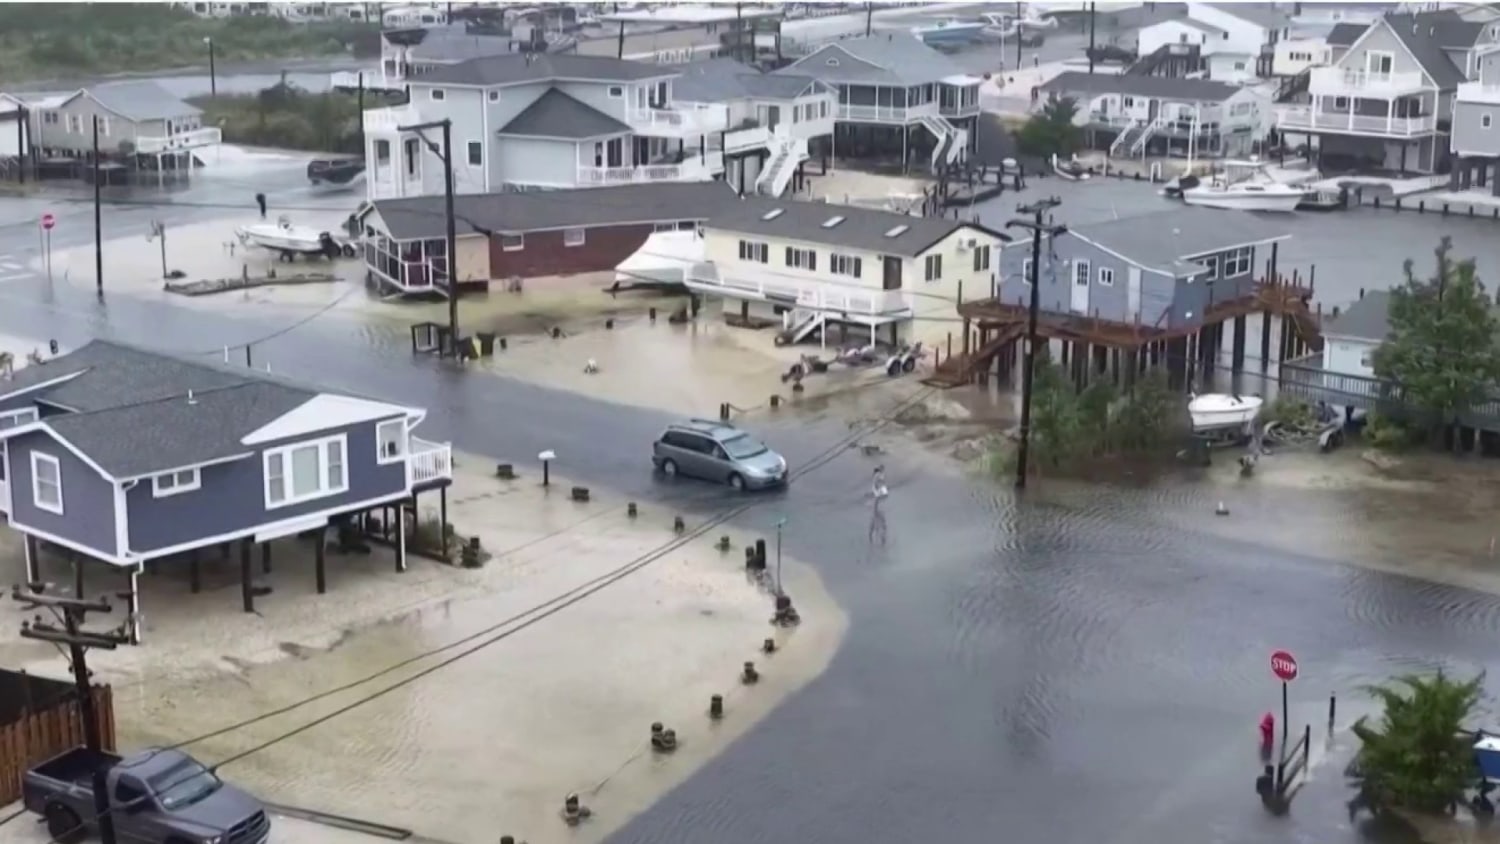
(1297, 55)
(1156, 115)
(1351, 338)
(812, 264)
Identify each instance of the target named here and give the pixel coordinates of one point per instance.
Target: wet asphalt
(1083, 664)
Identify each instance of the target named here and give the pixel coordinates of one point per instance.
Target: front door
(773, 117)
(1080, 303)
(891, 280)
(1152, 107)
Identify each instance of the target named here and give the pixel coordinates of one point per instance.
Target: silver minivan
(719, 452)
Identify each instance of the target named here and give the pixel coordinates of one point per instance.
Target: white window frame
(176, 483)
(519, 242)
(981, 258)
(37, 460)
(1212, 262)
(755, 251)
(849, 265)
(932, 268)
(437, 95)
(1082, 271)
(1486, 120)
(1026, 271)
(1370, 62)
(1106, 276)
(616, 91)
(402, 441)
(282, 457)
(494, 95)
(801, 259)
(17, 418)
(475, 146)
(575, 237)
(1238, 262)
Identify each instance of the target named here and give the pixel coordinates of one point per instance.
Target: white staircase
(1133, 140)
(801, 324)
(1139, 147)
(786, 153)
(951, 140)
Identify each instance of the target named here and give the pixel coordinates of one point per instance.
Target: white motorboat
(1244, 195)
(1218, 411)
(1071, 169)
(949, 32)
(289, 241)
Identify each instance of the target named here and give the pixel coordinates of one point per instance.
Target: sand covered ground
(543, 706)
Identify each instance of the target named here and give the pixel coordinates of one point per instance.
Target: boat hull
(1276, 201)
(1218, 412)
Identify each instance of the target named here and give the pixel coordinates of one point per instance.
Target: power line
(521, 621)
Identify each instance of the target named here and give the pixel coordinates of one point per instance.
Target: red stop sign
(1284, 666)
(48, 221)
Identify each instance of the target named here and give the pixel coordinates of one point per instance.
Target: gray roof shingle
(557, 115)
(140, 100)
(893, 58)
(1266, 15)
(1422, 40)
(518, 68)
(1156, 87)
(861, 228)
(722, 80)
(1366, 319)
(1345, 34)
(423, 217)
(131, 412)
(454, 43)
(1164, 240)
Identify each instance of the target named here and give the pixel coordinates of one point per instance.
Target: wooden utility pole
(98, 219)
(72, 613)
(445, 154)
(1039, 227)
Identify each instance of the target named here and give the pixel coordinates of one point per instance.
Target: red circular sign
(48, 221)
(1284, 666)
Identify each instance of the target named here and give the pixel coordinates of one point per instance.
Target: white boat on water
(1239, 186)
(1219, 411)
(289, 241)
(949, 32)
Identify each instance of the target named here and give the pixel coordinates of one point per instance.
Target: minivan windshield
(743, 446)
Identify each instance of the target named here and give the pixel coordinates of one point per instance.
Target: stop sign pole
(48, 222)
(1284, 666)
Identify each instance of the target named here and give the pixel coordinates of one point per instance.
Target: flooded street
(1007, 659)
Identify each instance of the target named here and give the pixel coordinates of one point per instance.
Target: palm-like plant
(1418, 756)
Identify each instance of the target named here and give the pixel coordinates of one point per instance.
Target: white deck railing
(389, 118)
(1342, 82)
(744, 140)
(181, 141)
(811, 294)
(683, 121)
(885, 113)
(427, 462)
(694, 169)
(1296, 118)
(1484, 93)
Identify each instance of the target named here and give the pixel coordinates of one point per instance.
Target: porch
(886, 104)
(652, 159)
(409, 266)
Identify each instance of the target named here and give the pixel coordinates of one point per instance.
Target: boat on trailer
(289, 240)
(1223, 411)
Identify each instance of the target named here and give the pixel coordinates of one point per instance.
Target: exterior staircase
(1293, 86)
(1169, 60)
(786, 153)
(1133, 140)
(960, 369)
(803, 324)
(951, 141)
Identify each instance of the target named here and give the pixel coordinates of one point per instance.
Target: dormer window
(897, 231)
(832, 221)
(773, 214)
(832, 62)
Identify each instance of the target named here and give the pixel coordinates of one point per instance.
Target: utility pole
(213, 74)
(98, 219)
(1039, 226)
(451, 262)
(870, 18)
(72, 612)
(620, 44)
(1020, 30)
(1091, 38)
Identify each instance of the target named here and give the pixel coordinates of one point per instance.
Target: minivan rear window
(743, 446)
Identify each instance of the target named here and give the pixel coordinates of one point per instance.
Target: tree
(1419, 756)
(1051, 130)
(1442, 347)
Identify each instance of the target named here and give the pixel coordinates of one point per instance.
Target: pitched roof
(1156, 87)
(893, 58)
(1421, 40)
(1265, 15)
(131, 409)
(419, 217)
(722, 80)
(1345, 34)
(454, 43)
(1451, 31)
(140, 100)
(866, 229)
(557, 115)
(516, 68)
(1164, 240)
(1366, 319)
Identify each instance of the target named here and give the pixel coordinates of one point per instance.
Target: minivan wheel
(669, 468)
(64, 825)
(737, 482)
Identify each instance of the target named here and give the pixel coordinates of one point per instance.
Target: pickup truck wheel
(63, 824)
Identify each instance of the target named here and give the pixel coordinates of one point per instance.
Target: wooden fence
(42, 734)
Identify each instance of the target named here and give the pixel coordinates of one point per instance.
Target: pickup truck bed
(76, 767)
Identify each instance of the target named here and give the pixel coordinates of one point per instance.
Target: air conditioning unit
(967, 243)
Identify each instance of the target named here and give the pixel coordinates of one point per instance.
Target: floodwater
(1011, 660)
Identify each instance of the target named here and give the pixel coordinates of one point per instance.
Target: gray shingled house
(124, 456)
(1133, 115)
(140, 123)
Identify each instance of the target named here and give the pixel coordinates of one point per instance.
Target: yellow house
(893, 278)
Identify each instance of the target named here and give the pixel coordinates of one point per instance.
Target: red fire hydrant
(1267, 733)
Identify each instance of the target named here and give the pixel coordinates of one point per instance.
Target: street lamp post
(213, 80)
